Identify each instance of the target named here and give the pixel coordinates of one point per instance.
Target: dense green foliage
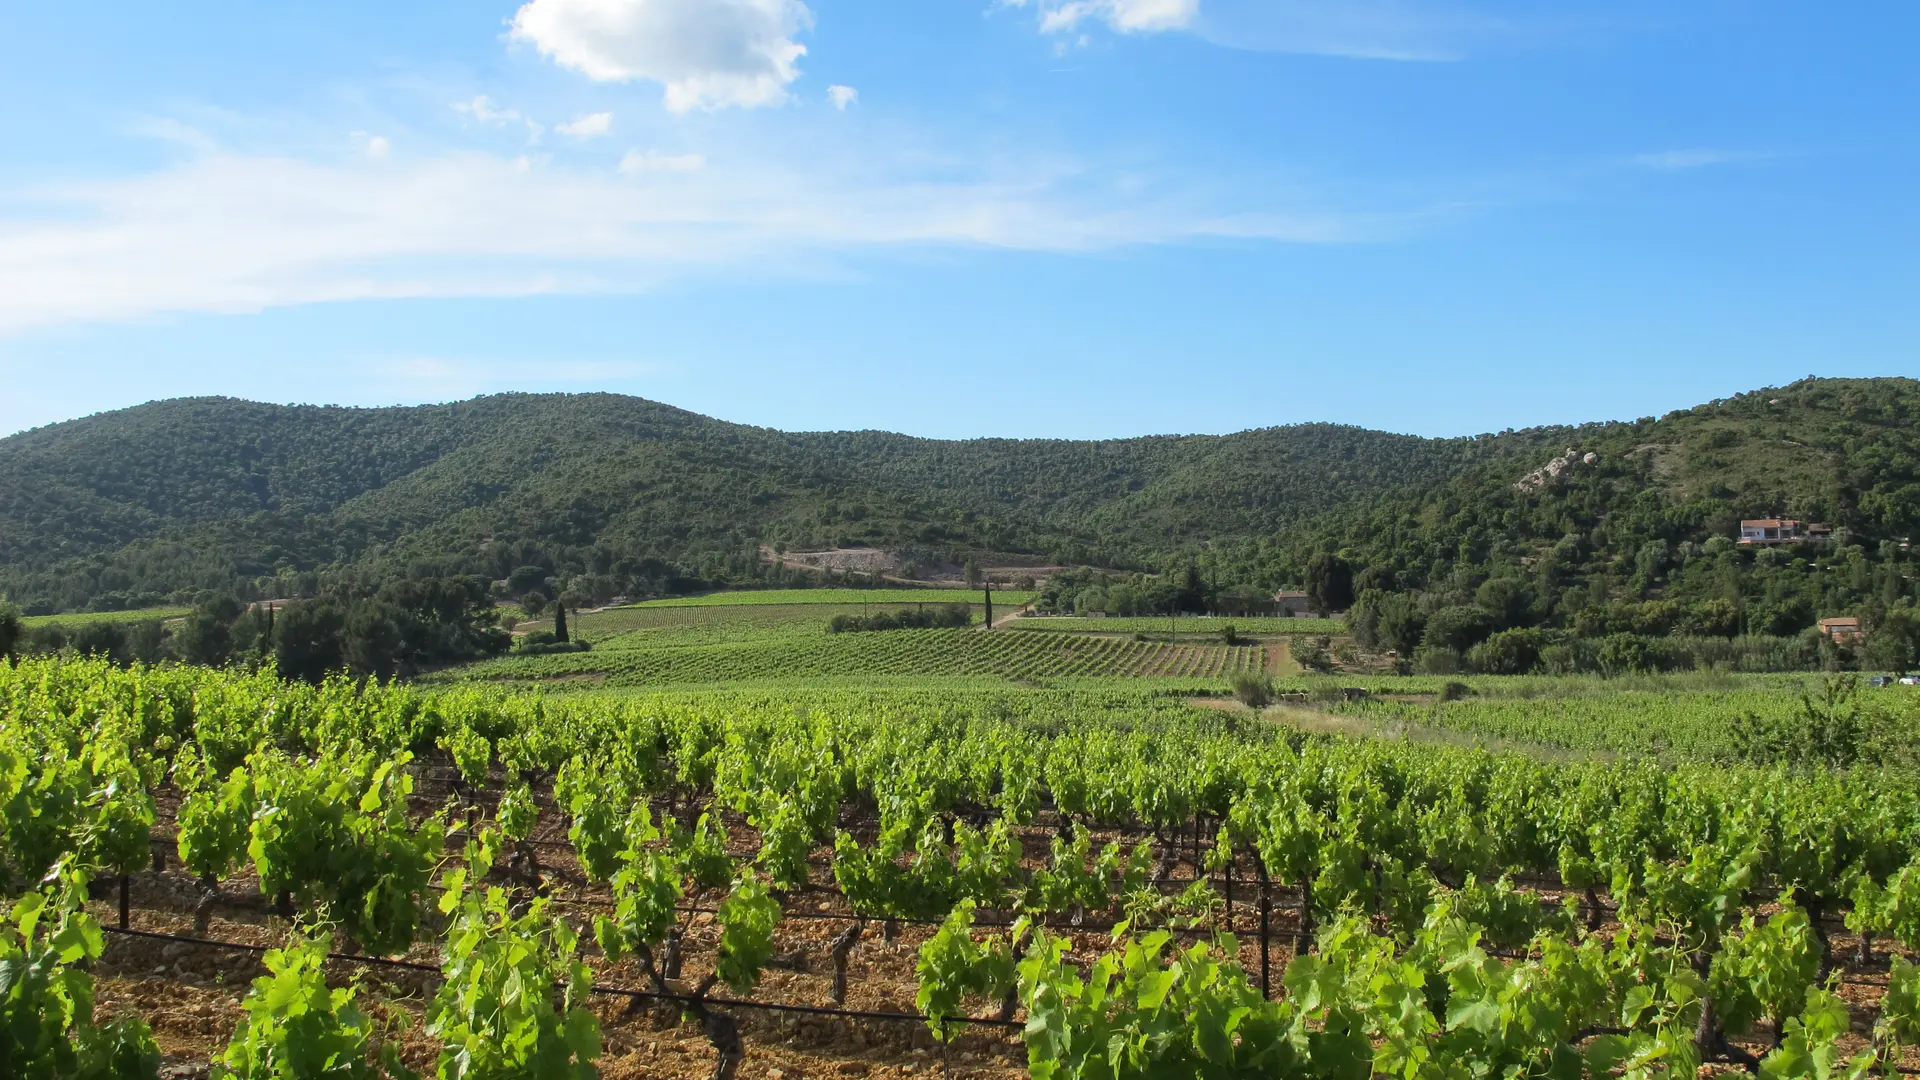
(1438, 544)
(1182, 625)
(298, 1027)
(939, 617)
(48, 944)
(776, 597)
(625, 495)
(1420, 955)
(400, 629)
(1641, 542)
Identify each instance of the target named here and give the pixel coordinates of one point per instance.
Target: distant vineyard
(1011, 598)
(1838, 721)
(1180, 625)
(625, 661)
(646, 627)
(90, 617)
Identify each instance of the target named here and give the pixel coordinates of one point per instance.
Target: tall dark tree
(307, 644)
(560, 623)
(10, 631)
(206, 637)
(1194, 595)
(375, 641)
(1329, 583)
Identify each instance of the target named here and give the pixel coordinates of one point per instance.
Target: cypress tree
(560, 621)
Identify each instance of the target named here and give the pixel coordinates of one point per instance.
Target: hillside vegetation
(1441, 546)
(201, 493)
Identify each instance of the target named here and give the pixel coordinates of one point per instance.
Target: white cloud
(168, 129)
(590, 126)
(842, 96)
(482, 108)
(709, 54)
(1125, 16)
(374, 146)
(653, 161)
(1429, 30)
(233, 233)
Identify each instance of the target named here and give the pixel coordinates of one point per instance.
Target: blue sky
(1080, 218)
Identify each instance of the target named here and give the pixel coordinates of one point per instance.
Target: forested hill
(206, 492)
(1636, 537)
(176, 496)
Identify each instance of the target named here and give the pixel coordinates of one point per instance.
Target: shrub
(1254, 691)
(1312, 654)
(940, 617)
(1510, 652)
(1457, 628)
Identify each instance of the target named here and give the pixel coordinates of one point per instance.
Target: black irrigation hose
(610, 991)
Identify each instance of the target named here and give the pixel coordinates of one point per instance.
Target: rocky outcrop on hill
(1553, 470)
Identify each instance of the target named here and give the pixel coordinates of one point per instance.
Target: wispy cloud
(637, 162)
(842, 96)
(482, 108)
(590, 126)
(1697, 158)
(1360, 29)
(1124, 16)
(374, 146)
(229, 232)
(1428, 30)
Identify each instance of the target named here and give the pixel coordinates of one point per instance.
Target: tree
(560, 623)
(972, 571)
(147, 641)
(527, 579)
(374, 643)
(10, 631)
(1893, 644)
(1457, 628)
(102, 639)
(1244, 600)
(1329, 584)
(1509, 600)
(1509, 652)
(1192, 597)
(1388, 621)
(308, 645)
(206, 637)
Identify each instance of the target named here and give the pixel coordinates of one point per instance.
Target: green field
(641, 658)
(756, 597)
(1185, 624)
(794, 783)
(773, 812)
(1685, 717)
(653, 645)
(642, 627)
(90, 617)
